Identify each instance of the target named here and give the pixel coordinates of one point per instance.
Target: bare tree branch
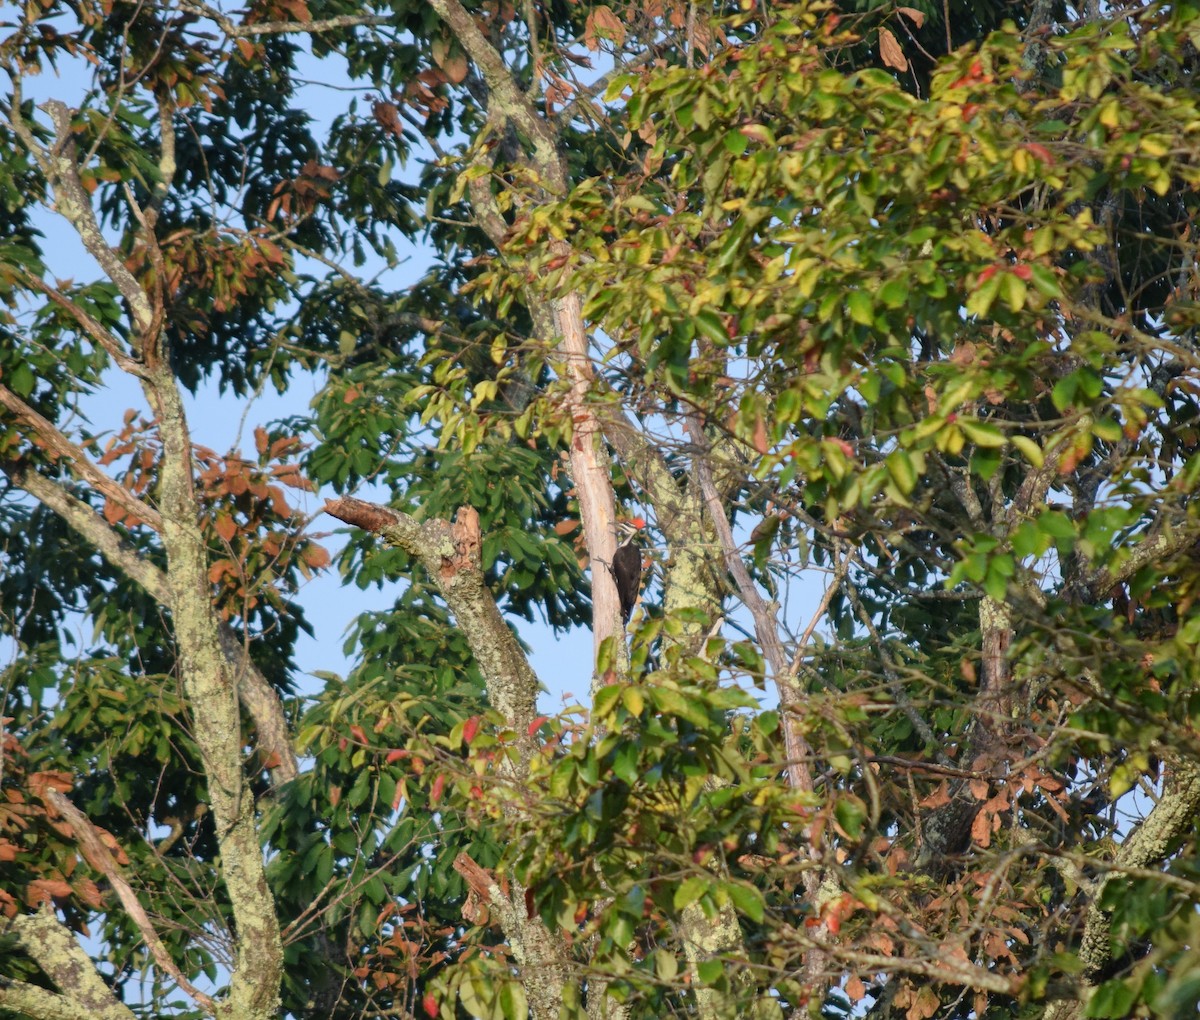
(450, 554)
(49, 943)
(313, 27)
(98, 855)
(506, 95)
(92, 527)
(62, 447)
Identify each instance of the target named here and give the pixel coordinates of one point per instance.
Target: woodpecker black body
(627, 566)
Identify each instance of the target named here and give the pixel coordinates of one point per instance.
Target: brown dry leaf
(996, 947)
(979, 789)
(939, 798)
(924, 1005)
(890, 51)
(964, 353)
(226, 527)
(455, 68)
(882, 943)
(316, 556)
(917, 17)
(855, 989)
(602, 23)
(981, 829)
(559, 91)
(761, 442)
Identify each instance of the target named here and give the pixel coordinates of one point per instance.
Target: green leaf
(1114, 998)
(22, 380)
(605, 702)
(981, 433)
(747, 899)
(851, 815)
(735, 142)
(1029, 449)
(513, 1004)
(690, 890)
(861, 307)
(1056, 524)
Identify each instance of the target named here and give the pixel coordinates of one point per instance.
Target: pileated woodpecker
(627, 565)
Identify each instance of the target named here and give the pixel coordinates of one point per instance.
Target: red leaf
(1040, 151)
(537, 724)
(356, 731)
(436, 793)
(396, 755)
(470, 728)
(429, 1004)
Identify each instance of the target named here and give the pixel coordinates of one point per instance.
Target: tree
(902, 300)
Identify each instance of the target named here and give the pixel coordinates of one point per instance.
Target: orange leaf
(981, 829)
(261, 440)
(917, 17)
(939, 798)
(855, 989)
(602, 23)
(435, 794)
(89, 892)
(316, 556)
(890, 51)
(226, 527)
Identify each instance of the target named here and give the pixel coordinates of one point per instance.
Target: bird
(627, 564)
